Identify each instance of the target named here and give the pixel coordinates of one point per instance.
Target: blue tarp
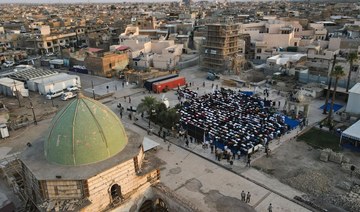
(291, 122)
(336, 107)
(247, 93)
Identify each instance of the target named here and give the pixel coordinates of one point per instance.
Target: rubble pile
(309, 181)
(325, 154)
(328, 155)
(346, 201)
(63, 205)
(336, 157)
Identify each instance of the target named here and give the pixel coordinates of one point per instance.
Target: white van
(67, 95)
(53, 94)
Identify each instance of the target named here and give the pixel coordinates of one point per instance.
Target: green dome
(84, 132)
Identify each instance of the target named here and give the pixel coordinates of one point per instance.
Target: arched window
(115, 192)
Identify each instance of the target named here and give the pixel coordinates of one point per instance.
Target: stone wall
(125, 176)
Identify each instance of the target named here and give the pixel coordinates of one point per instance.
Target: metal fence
(308, 78)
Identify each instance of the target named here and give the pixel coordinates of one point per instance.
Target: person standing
(239, 154)
(270, 208)
(248, 162)
(243, 196)
(248, 196)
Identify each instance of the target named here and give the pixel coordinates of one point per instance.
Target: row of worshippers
(233, 119)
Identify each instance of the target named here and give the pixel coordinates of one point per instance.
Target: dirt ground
(325, 183)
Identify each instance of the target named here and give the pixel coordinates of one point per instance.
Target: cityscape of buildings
(183, 105)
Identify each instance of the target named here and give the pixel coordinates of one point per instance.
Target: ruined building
(221, 47)
(86, 161)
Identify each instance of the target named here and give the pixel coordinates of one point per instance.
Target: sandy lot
(326, 183)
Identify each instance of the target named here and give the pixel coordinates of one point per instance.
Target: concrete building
(106, 64)
(9, 87)
(273, 35)
(146, 53)
(221, 46)
(53, 83)
(87, 162)
(166, 54)
(353, 103)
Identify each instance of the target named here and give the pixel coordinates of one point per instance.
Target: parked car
(50, 54)
(8, 64)
(53, 94)
(67, 95)
(72, 88)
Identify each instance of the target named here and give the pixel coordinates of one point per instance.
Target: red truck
(166, 85)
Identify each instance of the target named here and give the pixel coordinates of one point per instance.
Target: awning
(353, 131)
(149, 144)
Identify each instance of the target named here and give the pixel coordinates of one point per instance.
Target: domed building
(87, 162)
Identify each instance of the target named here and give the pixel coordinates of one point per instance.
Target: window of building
(258, 57)
(295, 43)
(258, 50)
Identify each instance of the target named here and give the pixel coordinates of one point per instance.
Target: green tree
(148, 105)
(161, 112)
(337, 74)
(352, 57)
(173, 117)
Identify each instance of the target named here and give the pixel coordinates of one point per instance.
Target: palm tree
(329, 85)
(148, 104)
(352, 57)
(337, 73)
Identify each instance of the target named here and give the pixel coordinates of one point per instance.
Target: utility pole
(93, 91)
(329, 85)
(52, 99)
(17, 94)
(32, 108)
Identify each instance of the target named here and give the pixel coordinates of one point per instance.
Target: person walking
(270, 208)
(267, 151)
(129, 99)
(243, 196)
(169, 145)
(248, 196)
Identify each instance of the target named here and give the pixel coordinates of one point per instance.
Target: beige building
(274, 35)
(105, 64)
(146, 53)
